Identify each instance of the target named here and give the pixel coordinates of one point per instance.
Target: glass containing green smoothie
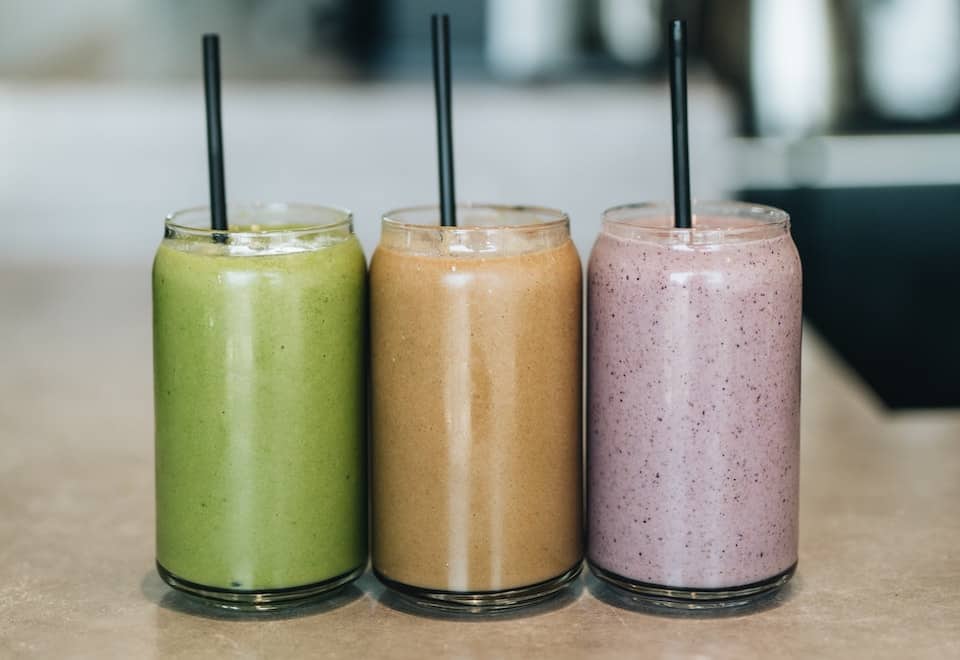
(259, 395)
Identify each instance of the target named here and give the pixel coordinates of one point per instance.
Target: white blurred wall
(87, 171)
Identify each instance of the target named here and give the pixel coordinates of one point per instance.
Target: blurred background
(846, 113)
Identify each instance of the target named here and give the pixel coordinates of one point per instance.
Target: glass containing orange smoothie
(476, 447)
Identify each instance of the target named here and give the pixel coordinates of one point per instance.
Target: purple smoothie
(694, 397)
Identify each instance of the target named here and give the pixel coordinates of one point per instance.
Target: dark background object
(881, 271)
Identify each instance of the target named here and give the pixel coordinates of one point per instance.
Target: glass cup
(694, 403)
(476, 445)
(258, 336)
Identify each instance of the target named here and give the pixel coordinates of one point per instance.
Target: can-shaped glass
(693, 414)
(259, 343)
(476, 397)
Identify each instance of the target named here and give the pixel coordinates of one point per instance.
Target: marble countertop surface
(879, 573)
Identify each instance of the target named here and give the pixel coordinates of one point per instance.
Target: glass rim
(557, 218)
(344, 218)
(768, 217)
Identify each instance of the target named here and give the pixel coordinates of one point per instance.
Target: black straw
(678, 107)
(211, 85)
(440, 30)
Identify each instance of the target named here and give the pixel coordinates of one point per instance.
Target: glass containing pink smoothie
(694, 403)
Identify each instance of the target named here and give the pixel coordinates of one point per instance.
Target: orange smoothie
(476, 453)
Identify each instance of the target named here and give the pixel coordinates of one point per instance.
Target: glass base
(256, 599)
(482, 601)
(679, 598)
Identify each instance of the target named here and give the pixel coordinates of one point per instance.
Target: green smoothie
(259, 392)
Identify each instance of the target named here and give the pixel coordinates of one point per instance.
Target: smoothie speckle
(476, 442)
(251, 440)
(714, 411)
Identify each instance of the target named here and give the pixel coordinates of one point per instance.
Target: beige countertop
(879, 572)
